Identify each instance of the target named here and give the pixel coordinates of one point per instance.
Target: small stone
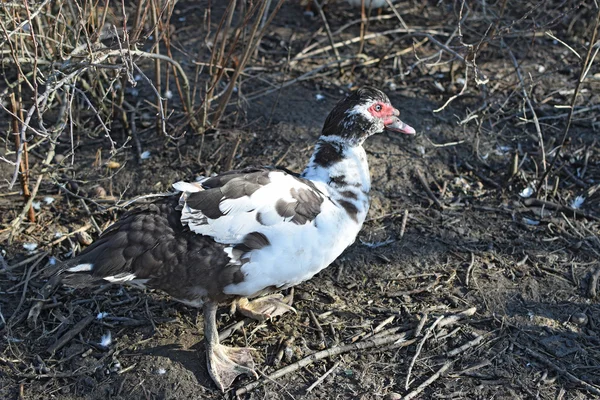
(146, 120)
(73, 186)
(392, 396)
(59, 158)
(303, 296)
(84, 238)
(579, 319)
(98, 192)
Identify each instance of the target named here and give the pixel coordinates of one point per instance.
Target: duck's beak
(393, 123)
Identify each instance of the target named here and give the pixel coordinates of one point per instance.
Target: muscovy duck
(248, 233)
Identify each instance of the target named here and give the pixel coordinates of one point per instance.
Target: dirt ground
(461, 280)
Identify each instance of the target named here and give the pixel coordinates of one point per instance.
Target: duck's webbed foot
(263, 308)
(224, 363)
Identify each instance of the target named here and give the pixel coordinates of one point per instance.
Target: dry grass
(74, 68)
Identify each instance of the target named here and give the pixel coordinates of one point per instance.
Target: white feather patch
(234, 206)
(106, 340)
(81, 268)
(577, 202)
(120, 278)
(233, 259)
(362, 109)
(187, 187)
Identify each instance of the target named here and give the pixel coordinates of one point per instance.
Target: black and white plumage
(246, 233)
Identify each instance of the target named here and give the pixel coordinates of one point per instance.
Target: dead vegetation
(476, 274)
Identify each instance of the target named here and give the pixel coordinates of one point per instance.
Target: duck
(242, 236)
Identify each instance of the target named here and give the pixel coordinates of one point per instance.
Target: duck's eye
(378, 107)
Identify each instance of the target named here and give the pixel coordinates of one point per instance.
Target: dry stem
(587, 64)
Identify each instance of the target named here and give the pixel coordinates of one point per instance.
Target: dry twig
(418, 351)
(469, 270)
(429, 381)
(21, 146)
(400, 340)
(322, 377)
(430, 194)
(538, 129)
(589, 387)
(66, 338)
(568, 211)
(319, 329)
(403, 224)
(593, 285)
(329, 35)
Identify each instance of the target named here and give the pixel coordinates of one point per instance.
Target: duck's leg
(224, 363)
(263, 307)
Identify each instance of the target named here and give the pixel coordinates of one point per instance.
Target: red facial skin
(390, 115)
(386, 111)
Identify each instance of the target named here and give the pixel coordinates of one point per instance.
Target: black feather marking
(255, 241)
(230, 185)
(339, 180)
(308, 205)
(252, 241)
(328, 154)
(207, 201)
(350, 209)
(259, 219)
(350, 195)
(284, 208)
(239, 187)
(238, 277)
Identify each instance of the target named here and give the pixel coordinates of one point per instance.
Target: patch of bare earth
(463, 284)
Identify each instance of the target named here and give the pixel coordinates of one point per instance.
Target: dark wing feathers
(308, 205)
(252, 241)
(207, 201)
(285, 209)
(152, 245)
(222, 179)
(255, 241)
(236, 188)
(130, 244)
